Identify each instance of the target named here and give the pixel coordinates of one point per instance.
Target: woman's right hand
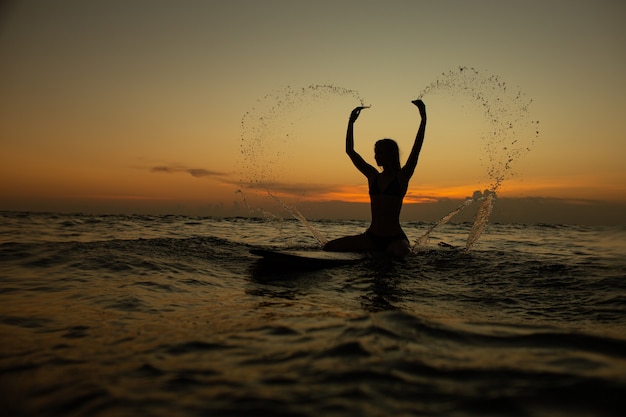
(355, 113)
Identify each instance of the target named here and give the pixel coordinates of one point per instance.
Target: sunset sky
(155, 106)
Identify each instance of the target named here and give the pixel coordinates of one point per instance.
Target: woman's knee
(399, 248)
(330, 246)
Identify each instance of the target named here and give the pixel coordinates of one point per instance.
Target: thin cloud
(295, 189)
(194, 172)
(200, 172)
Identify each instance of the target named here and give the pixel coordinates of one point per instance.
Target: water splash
(509, 135)
(257, 211)
(296, 214)
(486, 202)
(276, 221)
(481, 218)
(267, 128)
(269, 125)
(423, 240)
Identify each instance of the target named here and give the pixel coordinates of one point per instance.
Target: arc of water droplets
(261, 133)
(260, 126)
(506, 112)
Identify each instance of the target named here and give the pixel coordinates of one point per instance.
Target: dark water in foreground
(162, 316)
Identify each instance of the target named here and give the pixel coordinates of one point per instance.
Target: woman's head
(387, 154)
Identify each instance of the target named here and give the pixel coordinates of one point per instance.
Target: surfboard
(307, 259)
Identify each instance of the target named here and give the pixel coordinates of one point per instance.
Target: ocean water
(172, 316)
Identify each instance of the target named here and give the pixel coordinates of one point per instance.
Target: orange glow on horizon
(359, 194)
(563, 188)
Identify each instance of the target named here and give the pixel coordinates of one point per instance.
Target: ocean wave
(166, 316)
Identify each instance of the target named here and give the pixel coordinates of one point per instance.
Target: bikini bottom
(383, 242)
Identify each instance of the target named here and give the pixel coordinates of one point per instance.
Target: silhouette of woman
(386, 189)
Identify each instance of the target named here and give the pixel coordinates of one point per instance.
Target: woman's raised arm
(411, 162)
(356, 159)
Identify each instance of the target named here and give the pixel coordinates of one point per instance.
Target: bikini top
(394, 188)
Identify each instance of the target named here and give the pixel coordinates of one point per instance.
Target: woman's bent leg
(357, 243)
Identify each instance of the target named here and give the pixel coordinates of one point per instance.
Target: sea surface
(172, 316)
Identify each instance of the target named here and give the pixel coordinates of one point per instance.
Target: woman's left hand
(420, 105)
